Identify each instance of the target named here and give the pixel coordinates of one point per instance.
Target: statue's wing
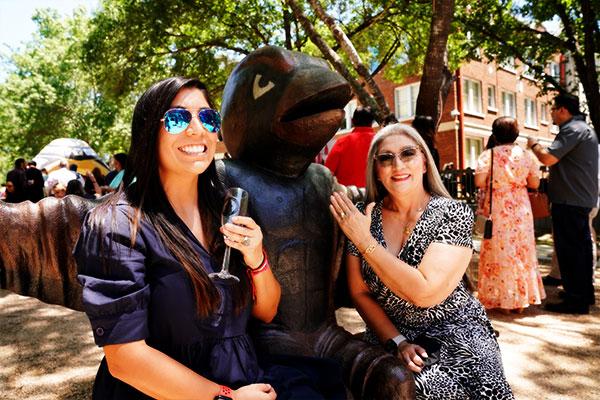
(36, 244)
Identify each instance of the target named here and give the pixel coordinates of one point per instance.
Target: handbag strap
(491, 180)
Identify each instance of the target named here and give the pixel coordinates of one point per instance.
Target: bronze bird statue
(279, 109)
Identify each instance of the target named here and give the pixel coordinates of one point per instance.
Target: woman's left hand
(356, 225)
(246, 236)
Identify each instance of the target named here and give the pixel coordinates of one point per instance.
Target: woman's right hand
(257, 391)
(412, 355)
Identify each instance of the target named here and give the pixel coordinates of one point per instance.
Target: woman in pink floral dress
(508, 269)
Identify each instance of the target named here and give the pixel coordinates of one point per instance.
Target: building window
(472, 96)
(492, 98)
(508, 64)
(405, 98)
(544, 113)
(473, 148)
(554, 70)
(509, 104)
(530, 113)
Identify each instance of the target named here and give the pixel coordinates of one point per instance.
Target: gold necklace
(408, 228)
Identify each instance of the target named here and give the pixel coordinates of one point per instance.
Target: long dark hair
(144, 192)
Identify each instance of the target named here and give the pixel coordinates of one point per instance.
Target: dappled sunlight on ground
(47, 351)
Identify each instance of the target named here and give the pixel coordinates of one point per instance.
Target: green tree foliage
(49, 93)
(504, 29)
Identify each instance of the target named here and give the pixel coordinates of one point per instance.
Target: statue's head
(280, 108)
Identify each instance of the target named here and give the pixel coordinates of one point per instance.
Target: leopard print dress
(470, 365)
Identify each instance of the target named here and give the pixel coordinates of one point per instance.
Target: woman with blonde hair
(406, 257)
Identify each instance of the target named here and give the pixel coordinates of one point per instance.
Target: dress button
(99, 331)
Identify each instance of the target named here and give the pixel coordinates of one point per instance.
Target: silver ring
(245, 241)
(342, 215)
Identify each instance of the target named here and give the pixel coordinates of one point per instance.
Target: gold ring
(342, 215)
(246, 241)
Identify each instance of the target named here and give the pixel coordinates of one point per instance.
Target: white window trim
(525, 124)
(489, 108)
(465, 100)
(543, 116)
(514, 94)
(397, 103)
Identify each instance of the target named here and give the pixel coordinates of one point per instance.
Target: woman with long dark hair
(145, 255)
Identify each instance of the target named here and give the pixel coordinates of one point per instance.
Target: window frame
(398, 90)
(514, 103)
(467, 83)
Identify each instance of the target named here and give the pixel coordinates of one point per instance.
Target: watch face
(391, 347)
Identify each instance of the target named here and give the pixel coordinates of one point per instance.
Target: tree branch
(382, 110)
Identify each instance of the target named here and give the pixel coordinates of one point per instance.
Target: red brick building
(481, 93)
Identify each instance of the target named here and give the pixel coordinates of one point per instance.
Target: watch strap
(225, 393)
(399, 339)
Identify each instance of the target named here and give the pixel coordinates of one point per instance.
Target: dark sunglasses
(177, 120)
(406, 155)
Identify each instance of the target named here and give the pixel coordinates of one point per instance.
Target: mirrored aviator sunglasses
(177, 120)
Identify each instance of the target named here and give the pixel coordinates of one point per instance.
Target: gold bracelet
(370, 249)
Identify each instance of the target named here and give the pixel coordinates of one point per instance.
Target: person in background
(35, 182)
(73, 168)
(61, 175)
(347, 159)
(59, 190)
(19, 180)
(405, 261)
(94, 181)
(114, 177)
(508, 277)
(8, 193)
(425, 125)
(573, 193)
(75, 187)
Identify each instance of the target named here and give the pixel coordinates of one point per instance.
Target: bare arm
(159, 376)
(533, 181)
(370, 311)
(267, 289)
(541, 153)
(481, 180)
(156, 374)
(440, 271)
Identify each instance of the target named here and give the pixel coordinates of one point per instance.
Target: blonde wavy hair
(431, 180)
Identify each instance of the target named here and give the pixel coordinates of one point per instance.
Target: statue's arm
(36, 244)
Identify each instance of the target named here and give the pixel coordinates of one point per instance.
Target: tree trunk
(437, 78)
(383, 112)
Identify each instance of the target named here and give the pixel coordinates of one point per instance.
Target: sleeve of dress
(457, 225)
(113, 275)
(483, 163)
(350, 247)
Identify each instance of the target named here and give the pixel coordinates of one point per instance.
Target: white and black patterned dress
(470, 365)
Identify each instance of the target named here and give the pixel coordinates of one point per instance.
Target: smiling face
(191, 151)
(404, 174)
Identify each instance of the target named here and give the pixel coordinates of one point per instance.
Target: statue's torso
(297, 227)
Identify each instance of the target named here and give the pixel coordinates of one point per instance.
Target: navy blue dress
(145, 294)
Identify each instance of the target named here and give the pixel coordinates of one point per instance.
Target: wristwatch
(224, 394)
(391, 345)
